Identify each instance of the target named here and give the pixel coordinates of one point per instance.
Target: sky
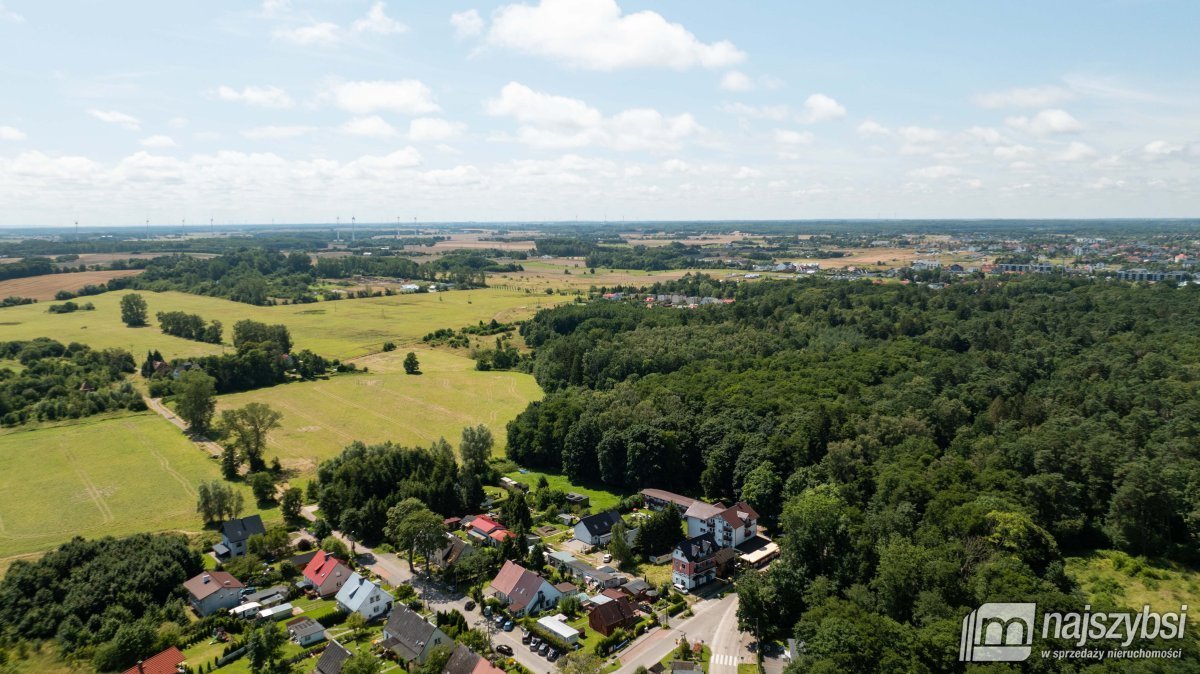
(117, 112)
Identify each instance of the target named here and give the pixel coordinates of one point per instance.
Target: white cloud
(277, 132)
(434, 129)
(7, 14)
(158, 141)
(677, 166)
(1046, 122)
(11, 133)
(368, 165)
(789, 137)
(373, 126)
(777, 113)
(984, 134)
(459, 175)
(736, 81)
(119, 118)
(1076, 151)
(1028, 97)
(595, 35)
(745, 172)
(177, 122)
(821, 108)
(378, 22)
(262, 97)
(870, 128)
(1156, 149)
(550, 121)
(936, 172)
(466, 24)
(408, 97)
(312, 34)
(271, 8)
(1010, 152)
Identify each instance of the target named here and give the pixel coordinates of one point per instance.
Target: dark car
(534, 643)
(526, 637)
(552, 655)
(543, 649)
(504, 649)
(470, 605)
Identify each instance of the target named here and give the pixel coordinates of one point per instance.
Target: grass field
(1133, 583)
(541, 274)
(44, 287)
(600, 499)
(113, 475)
(320, 418)
(342, 329)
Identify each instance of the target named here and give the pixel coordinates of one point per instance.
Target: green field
(321, 417)
(600, 499)
(341, 329)
(1133, 582)
(113, 475)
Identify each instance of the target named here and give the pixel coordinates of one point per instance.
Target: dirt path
(165, 412)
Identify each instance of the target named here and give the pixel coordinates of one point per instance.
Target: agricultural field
(321, 417)
(543, 274)
(342, 329)
(44, 287)
(111, 475)
(1133, 582)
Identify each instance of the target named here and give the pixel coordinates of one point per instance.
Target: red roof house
(166, 662)
(326, 574)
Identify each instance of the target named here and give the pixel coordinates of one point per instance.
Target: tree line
(60, 381)
(189, 326)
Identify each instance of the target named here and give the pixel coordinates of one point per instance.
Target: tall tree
(195, 399)
(290, 505)
(411, 364)
(476, 448)
(133, 310)
(618, 547)
(264, 648)
(250, 425)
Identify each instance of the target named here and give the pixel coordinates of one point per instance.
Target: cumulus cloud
(870, 128)
(1010, 152)
(11, 133)
(935, 172)
(317, 33)
(466, 24)
(1157, 149)
(1046, 122)
(777, 113)
(408, 97)
(115, 117)
(434, 129)
(373, 126)
(789, 137)
(277, 132)
(551, 121)
(821, 108)
(736, 81)
(262, 97)
(1027, 97)
(7, 14)
(158, 141)
(745, 172)
(377, 21)
(1076, 151)
(596, 35)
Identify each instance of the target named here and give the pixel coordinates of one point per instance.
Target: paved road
(714, 622)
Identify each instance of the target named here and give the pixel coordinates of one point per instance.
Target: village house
(305, 632)
(332, 658)
(213, 591)
(693, 562)
(359, 595)
(410, 636)
(170, 661)
(456, 549)
(465, 661)
(596, 529)
(731, 526)
(613, 615)
(234, 535)
(326, 575)
(487, 531)
(522, 591)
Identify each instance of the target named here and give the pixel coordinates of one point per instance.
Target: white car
(607, 558)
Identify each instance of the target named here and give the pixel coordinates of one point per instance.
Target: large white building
(730, 526)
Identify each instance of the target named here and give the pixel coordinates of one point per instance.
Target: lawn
(321, 417)
(342, 329)
(1132, 583)
(601, 499)
(111, 475)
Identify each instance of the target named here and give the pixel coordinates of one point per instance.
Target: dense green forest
(917, 451)
(673, 255)
(63, 382)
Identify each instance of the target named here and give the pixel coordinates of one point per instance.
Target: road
(714, 623)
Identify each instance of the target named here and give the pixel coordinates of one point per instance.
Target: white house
(360, 595)
(410, 636)
(522, 591)
(213, 591)
(730, 526)
(597, 529)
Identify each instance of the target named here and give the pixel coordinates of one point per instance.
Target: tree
(357, 624)
(272, 544)
(660, 531)
(757, 611)
(249, 426)
(194, 399)
(263, 486)
(762, 489)
(580, 662)
(290, 505)
(411, 364)
(133, 310)
(263, 648)
(217, 501)
(618, 547)
(229, 462)
(362, 663)
(475, 449)
(413, 527)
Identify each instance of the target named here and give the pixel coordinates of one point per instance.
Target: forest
(63, 382)
(917, 451)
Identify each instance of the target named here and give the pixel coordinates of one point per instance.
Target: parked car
(534, 643)
(607, 558)
(499, 619)
(543, 649)
(470, 605)
(487, 611)
(504, 649)
(508, 626)
(553, 655)
(526, 636)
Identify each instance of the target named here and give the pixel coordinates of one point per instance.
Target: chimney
(141, 670)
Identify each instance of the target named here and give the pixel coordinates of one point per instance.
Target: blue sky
(307, 110)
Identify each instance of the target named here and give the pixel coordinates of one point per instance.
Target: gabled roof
(485, 525)
(454, 550)
(356, 591)
(209, 583)
(518, 584)
(615, 612)
(462, 661)
(242, 528)
(166, 662)
(303, 627)
(408, 633)
(332, 659)
(321, 567)
(739, 514)
(600, 524)
(683, 502)
(704, 511)
(266, 594)
(697, 549)
(637, 586)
